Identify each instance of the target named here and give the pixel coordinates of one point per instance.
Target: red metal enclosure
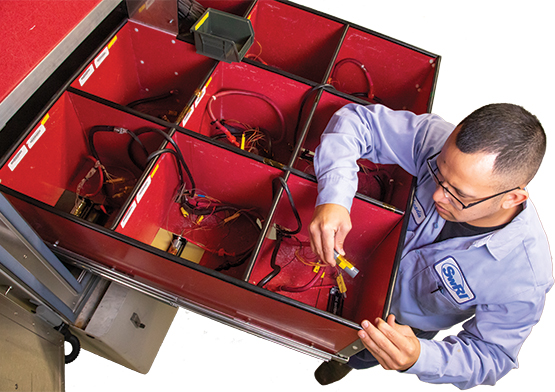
(294, 40)
(55, 156)
(277, 96)
(140, 63)
(402, 78)
(372, 227)
(219, 174)
(273, 103)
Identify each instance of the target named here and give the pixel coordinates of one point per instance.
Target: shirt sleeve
(484, 351)
(378, 134)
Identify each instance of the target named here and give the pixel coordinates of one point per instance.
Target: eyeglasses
(449, 195)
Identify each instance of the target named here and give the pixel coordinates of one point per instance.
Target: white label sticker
(128, 215)
(17, 158)
(199, 98)
(187, 116)
(36, 136)
(143, 189)
(86, 75)
(452, 276)
(100, 58)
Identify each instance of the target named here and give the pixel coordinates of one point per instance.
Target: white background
(492, 51)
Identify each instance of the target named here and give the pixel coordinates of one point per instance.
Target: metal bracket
(137, 321)
(351, 349)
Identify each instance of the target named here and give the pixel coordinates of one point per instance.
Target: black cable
(170, 151)
(276, 269)
(381, 185)
(178, 154)
(303, 102)
(293, 207)
(281, 233)
(108, 128)
(243, 257)
(194, 210)
(152, 99)
(181, 164)
(92, 132)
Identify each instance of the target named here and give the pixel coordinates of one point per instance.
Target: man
(474, 249)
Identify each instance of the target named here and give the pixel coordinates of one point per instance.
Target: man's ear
(514, 198)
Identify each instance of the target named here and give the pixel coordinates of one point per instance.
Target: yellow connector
(345, 265)
(243, 141)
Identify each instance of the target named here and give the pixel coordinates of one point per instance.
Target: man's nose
(440, 196)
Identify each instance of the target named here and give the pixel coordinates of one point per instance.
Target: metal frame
(177, 301)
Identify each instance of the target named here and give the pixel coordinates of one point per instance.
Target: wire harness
(217, 122)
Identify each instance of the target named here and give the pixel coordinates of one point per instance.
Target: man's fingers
(315, 241)
(393, 345)
(329, 226)
(340, 236)
(321, 242)
(328, 240)
(375, 342)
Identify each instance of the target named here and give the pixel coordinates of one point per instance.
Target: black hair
(510, 132)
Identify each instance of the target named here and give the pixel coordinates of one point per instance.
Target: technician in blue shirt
(474, 250)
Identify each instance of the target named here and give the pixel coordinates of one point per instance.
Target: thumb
(402, 329)
(391, 320)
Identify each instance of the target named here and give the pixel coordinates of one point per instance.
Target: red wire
(306, 287)
(248, 94)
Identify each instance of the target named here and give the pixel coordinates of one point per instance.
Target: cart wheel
(76, 347)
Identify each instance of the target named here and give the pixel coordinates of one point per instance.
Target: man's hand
(328, 229)
(395, 346)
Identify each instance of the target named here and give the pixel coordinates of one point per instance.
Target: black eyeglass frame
(464, 206)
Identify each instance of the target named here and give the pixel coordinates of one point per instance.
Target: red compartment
(294, 40)
(285, 94)
(218, 174)
(140, 63)
(370, 247)
(225, 297)
(387, 183)
(55, 156)
(328, 104)
(402, 77)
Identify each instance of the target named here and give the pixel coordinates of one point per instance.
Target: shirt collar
(502, 242)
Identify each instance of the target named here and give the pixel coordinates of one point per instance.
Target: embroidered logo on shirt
(417, 212)
(454, 280)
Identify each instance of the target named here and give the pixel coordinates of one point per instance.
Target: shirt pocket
(432, 296)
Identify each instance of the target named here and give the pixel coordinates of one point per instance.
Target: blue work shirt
(496, 281)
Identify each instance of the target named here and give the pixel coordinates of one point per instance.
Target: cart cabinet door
(28, 261)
